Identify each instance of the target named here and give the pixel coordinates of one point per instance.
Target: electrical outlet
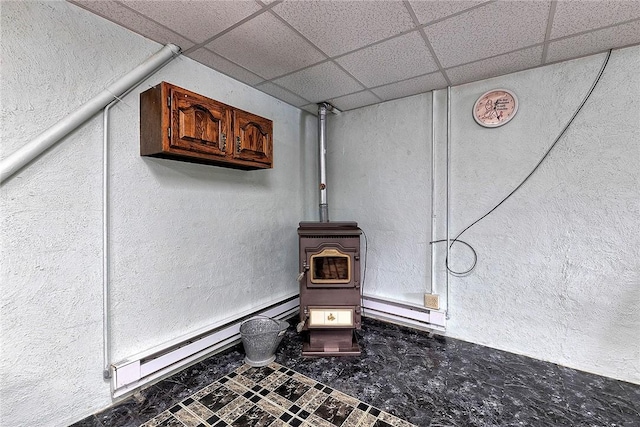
(432, 301)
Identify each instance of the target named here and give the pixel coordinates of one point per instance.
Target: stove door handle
(305, 268)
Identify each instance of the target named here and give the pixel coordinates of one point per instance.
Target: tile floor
(423, 379)
(272, 396)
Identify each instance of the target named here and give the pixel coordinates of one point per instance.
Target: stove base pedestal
(321, 343)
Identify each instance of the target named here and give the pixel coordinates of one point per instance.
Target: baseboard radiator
(144, 368)
(402, 313)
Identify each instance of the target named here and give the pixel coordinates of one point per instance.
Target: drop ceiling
(357, 53)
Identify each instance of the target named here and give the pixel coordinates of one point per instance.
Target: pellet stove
(329, 257)
(330, 309)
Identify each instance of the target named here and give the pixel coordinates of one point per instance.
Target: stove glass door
(330, 267)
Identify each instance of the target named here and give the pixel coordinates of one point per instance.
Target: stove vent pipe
(323, 108)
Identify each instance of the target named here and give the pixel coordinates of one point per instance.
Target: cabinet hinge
(169, 105)
(223, 140)
(238, 144)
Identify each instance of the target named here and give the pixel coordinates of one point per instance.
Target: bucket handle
(281, 333)
(265, 317)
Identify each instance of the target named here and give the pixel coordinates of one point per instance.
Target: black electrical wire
(475, 255)
(446, 259)
(364, 271)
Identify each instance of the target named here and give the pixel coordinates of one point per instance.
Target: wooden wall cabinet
(178, 124)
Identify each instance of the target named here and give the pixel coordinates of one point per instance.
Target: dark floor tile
(135, 410)
(425, 379)
(150, 402)
(430, 380)
(91, 421)
(190, 380)
(120, 415)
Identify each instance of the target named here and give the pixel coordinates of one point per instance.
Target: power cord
(364, 272)
(456, 239)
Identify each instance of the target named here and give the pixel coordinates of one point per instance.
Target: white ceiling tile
(429, 11)
(412, 86)
(337, 27)
(573, 16)
(282, 94)
(473, 40)
(218, 63)
(487, 31)
(496, 66)
(115, 12)
(355, 100)
(397, 59)
(320, 82)
(594, 42)
(266, 46)
(196, 20)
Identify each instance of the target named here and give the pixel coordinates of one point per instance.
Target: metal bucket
(260, 339)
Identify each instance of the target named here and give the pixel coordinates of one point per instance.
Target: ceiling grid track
(355, 54)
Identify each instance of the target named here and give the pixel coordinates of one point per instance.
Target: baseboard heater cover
(403, 313)
(144, 368)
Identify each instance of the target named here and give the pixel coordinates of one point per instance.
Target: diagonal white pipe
(49, 137)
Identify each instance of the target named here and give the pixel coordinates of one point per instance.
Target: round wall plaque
(495, 108)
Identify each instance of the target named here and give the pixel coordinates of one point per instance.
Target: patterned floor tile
(272, 396)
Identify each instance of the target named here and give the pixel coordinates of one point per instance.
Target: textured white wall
(379, 168)
(191, 244)
(559, 271)
(201, 242)
(558, 276)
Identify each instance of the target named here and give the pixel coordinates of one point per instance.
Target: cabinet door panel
(198, 124)
(253, 138)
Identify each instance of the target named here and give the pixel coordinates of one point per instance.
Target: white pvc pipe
(448, 310)
(433, 190)
(49, 137)
(106, 280)
(106, 260)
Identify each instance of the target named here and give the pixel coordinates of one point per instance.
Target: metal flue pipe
(322, 136)
(49, 137)
(323, 108)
